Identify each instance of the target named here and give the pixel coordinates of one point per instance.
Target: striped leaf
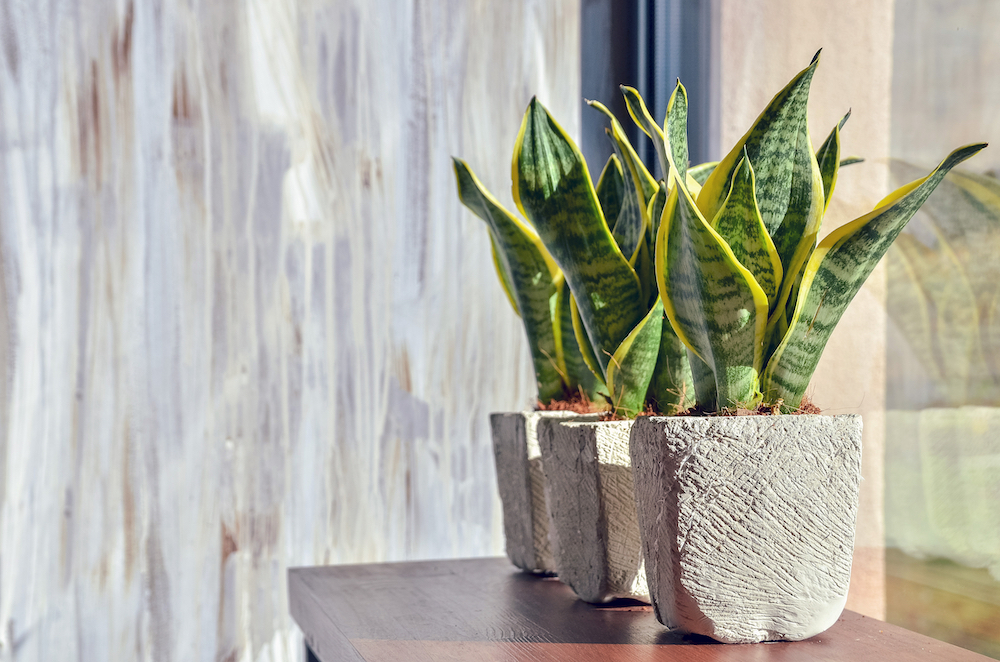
(640, 115)
(583, 342)
(654, 212)
(703, 381)
(835, 272)
(700, 173)
(789, 187)
(529, 271)
(631, 222)
(501, 268)
(675, 128)
(627, 153)
(611, 188)
(552, 187)
(828, 157)
(672, 387)
(799, 228)
(632, 365)
(714, 304)
(578, 374)
(740, 225)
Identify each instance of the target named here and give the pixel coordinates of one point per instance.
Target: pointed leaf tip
(843, 120)
(816, 57)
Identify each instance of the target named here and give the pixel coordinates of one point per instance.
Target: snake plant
(750, 296)
(536, 289)
(602, 239)
(744, 283)
(593, 316)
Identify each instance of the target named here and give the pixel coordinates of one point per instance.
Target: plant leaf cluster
(708, 286)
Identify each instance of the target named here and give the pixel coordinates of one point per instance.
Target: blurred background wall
(244, 322)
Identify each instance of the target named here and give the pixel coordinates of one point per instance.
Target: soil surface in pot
(576, 402)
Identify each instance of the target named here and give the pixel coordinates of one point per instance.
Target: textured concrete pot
(521, 486)
(591, 499)
(747, 522)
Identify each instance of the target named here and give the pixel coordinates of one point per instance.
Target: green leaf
(578, 374)
(700, 173)
(834, 274)
(631, 223)
(671, 387)
(714, 304)
(739, 223)
(611, 188)
(675, 127)
(552, 188)
(647, 183)
(583, 343)
(530, 273)
(703, 380)
(642, 118)
(501, 267)
(800, 226)
(631, 367)
(654, 212)
(828, 158)
(789, 187)
(851, 160)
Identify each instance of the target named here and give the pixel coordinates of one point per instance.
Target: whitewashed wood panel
(244, 322)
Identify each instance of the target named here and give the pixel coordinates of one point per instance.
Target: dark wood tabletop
(485, 609)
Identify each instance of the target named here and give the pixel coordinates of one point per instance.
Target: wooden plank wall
(244, 322)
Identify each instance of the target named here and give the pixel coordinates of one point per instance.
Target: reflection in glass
(943, 423)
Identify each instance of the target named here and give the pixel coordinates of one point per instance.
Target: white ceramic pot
(747, 522)
(521, 485)
(588, 479)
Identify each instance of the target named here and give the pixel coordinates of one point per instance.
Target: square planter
(747, 522)
(588, 480)
(521, 486)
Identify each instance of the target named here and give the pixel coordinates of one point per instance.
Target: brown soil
(576, 402)
(806, 407)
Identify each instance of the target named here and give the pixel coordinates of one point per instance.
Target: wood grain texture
(484, 609)
(747, 522)
(244, 321)
(589, 489)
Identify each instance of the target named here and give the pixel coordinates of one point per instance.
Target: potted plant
(602, 240)
(537, 291)
(747, 522)
(619, 365)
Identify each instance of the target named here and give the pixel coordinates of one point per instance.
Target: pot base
(747, 522)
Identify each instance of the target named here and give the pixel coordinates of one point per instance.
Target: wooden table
(485, 609)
